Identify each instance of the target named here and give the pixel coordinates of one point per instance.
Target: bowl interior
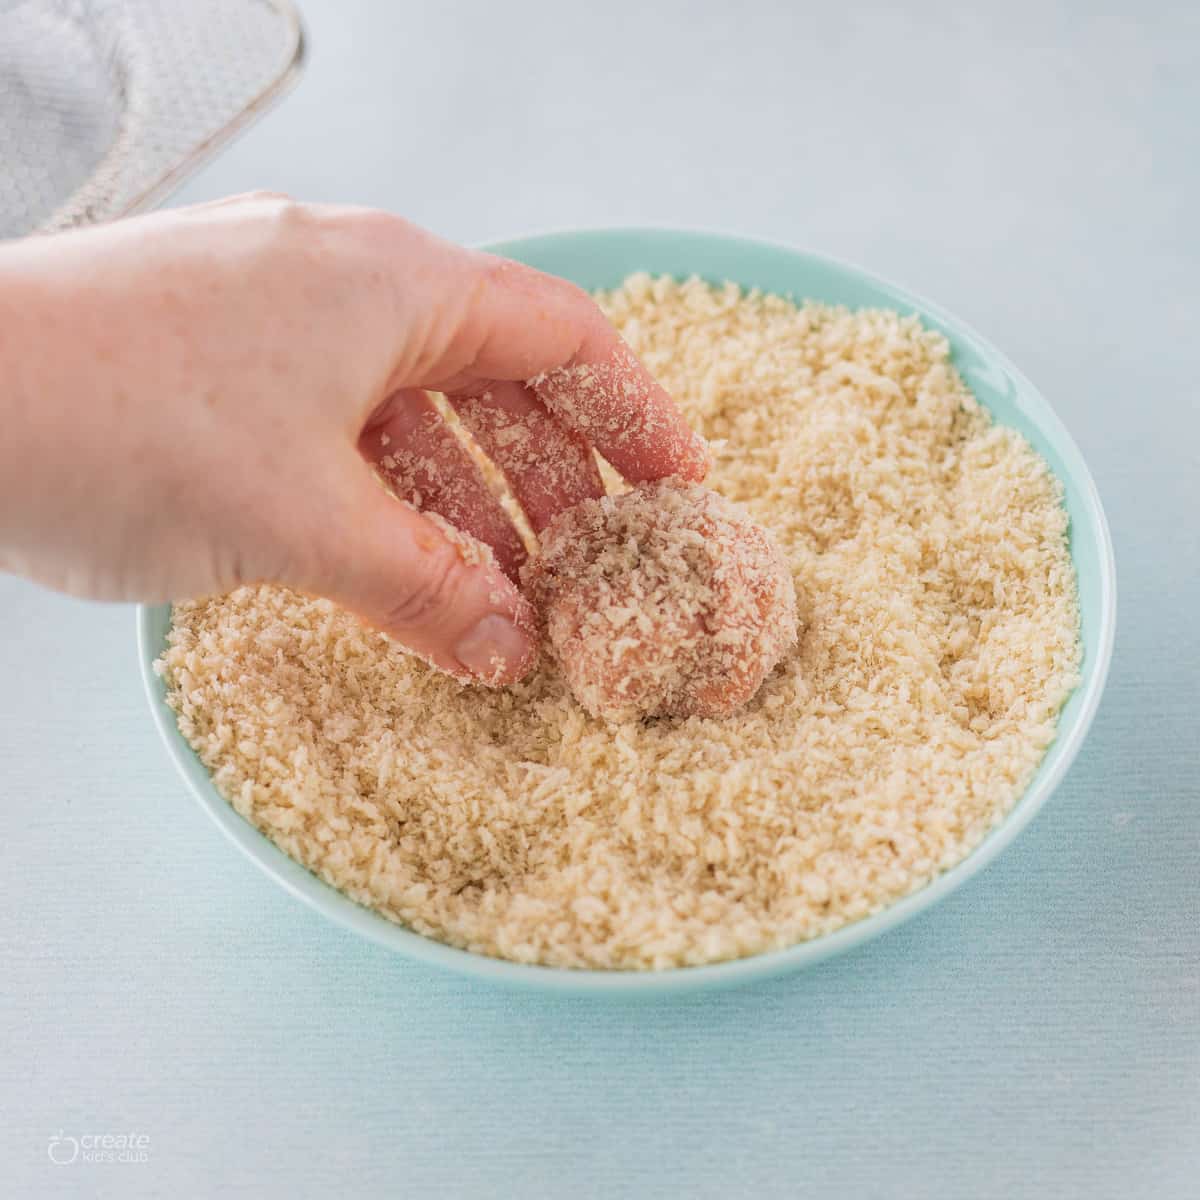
(604, 258)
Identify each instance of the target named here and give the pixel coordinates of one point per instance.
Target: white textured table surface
(1036, 171)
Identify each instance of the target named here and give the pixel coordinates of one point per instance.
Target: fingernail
(492, 648)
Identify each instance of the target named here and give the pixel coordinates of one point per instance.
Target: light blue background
(1035, 171)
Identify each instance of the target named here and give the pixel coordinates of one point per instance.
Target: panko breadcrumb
(940, 642)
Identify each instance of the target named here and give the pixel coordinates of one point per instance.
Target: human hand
(189, 399)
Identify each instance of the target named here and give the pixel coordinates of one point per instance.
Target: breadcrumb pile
(665, 601)
(940, 641)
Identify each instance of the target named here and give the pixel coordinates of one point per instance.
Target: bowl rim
(366, 923)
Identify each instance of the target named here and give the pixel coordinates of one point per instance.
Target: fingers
(420, 581)
(548, 466)
(612, 400)
(484, 319)
(426, 464)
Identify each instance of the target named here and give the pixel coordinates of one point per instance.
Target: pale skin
(195, 400)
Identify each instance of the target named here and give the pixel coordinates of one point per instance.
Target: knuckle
(567, 295)
(376, 224)
(285, 223)
(259, 204)
(285, 213)
(489, 274)
(573, 294)
(495, 269)
(265, 196)
(427, 593)
(318, 565)
(506, 274)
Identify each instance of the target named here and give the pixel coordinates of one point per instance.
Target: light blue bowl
(603, 258)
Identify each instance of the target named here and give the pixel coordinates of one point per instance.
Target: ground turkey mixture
(664, 601)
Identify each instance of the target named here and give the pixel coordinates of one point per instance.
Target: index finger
(606, 394)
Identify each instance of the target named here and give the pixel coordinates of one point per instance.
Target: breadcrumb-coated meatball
(667, 600)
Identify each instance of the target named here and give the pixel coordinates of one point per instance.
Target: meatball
(664, 601)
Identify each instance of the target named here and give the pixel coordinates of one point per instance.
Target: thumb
(437, 591)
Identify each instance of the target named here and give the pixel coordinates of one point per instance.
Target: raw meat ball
(665, 601)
